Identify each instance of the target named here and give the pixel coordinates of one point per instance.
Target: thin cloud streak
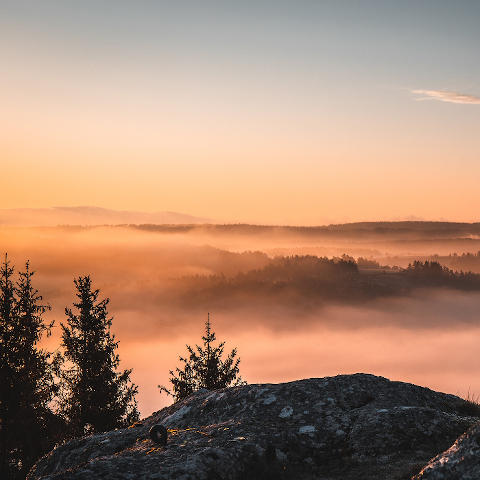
(446, 96)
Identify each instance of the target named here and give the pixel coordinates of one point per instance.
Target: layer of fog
(446, 361)
(431, 341)
(430, 337)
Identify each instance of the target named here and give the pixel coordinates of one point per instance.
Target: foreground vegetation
(204, 368)
(45, 397)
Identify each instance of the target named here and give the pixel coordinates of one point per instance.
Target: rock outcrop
(460, 462)
(345, 427)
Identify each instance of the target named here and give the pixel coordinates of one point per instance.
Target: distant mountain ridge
(86, 215)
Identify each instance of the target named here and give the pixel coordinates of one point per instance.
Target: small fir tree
(204, 367)
(96, 397)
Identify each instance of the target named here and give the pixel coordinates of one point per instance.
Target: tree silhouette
(96, 397)
(28, 428)
(203, 367)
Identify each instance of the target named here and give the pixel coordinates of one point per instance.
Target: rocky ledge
(460, 462)
(345, 427)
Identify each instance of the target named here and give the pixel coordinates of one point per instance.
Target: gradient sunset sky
(299, 112)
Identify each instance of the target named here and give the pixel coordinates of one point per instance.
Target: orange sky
(299, 115)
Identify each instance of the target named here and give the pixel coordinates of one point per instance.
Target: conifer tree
(204, 367)
(28, 428)
(96, 397)
(8, 465)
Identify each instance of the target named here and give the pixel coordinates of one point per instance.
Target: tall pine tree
(204, 367)
(28, 428)
(96, 397)
(8, 317)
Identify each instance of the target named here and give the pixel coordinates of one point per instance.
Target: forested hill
(419, 228)
(415, 229)
(317, 280)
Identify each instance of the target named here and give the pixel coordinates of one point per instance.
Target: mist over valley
(334, 299)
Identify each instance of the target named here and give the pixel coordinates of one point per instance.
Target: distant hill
(174, 222)
(364, 230)
(308, 281)
(90, 216)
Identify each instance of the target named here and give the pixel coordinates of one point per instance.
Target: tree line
(49, 397)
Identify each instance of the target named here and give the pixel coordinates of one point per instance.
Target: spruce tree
(204, 367)
(96, 397)
(8, 464)
(28, 428)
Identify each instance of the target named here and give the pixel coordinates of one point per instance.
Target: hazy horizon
(98, 215)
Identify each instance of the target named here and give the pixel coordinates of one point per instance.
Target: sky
(299, 112)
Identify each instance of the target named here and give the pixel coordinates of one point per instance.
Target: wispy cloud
(447, 96)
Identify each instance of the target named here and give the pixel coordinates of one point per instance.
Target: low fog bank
(165, 284)
(373, 239)
(429, 336)
(445, 360)
(416, 240)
